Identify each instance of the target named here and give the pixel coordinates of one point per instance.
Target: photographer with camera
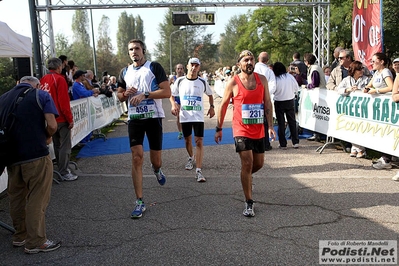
(105, 87)
(299, 77)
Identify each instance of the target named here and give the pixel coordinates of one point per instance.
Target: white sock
(198, 170)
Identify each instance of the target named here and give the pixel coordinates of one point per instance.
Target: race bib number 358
(252, 114)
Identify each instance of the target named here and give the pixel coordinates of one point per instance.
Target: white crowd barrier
(93, 113)
(88, 114)
(360, 118)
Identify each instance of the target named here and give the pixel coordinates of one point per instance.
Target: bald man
(261, 67)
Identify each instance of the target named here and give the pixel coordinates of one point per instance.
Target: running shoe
(249, 209)
(138, 210)
(189, 164)
(161, 178)
(200, 177)
(46, 247)
(396, 177)
(381, 164)
(69, 177)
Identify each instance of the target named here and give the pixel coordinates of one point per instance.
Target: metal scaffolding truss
(45, 36)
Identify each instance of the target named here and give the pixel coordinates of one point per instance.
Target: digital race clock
(193, 18)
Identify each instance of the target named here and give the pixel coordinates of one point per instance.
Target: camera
(292, 68)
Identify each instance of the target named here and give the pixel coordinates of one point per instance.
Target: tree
(105, 57)
(391, 30)
(128, 28)
(62, 46)
(81, 51)
(228, 41)
(124, 34)
(139, 28)
(280, 31)
(207, 53)
(7, 81)
(185, 43)
(340, 33)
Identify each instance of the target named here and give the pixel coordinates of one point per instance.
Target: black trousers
(286, 109)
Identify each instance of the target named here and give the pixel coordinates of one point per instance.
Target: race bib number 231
(252, 114)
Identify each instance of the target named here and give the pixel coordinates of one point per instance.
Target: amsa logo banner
(368, 120)
(315, 111)
(362, 252)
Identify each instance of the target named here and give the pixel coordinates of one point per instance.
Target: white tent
(13, 44)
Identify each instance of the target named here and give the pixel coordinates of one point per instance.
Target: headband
(243, 54)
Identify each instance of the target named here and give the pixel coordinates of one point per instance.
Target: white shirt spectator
(264, 70)
(286, 88)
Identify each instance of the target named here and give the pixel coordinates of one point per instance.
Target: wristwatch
(218, 129)
(212, 106)
(146, 94)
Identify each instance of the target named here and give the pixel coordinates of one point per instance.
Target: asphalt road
(300, 196)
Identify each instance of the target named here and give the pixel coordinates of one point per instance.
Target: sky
(16, 14)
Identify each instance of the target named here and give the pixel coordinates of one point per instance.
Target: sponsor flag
(367, 30)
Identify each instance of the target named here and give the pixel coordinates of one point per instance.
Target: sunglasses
(341, 57)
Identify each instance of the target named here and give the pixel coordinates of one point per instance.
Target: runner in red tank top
(251, 100)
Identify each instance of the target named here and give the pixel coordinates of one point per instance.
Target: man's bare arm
(228, 93)
(163, 92)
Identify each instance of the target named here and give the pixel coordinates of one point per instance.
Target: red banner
(367, 29)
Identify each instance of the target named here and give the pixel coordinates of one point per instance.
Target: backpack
(6, 144)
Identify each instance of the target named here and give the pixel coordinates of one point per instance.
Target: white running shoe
(69, 177)
(396, 177)
(381, 164)
(200, 177)
(249, 209)
(189, 164)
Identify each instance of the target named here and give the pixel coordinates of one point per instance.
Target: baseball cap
(194, 60)
(396, 60)
(79, 73)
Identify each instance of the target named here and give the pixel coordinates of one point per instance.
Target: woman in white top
(382, 80)
(355, 81)
(284, 104)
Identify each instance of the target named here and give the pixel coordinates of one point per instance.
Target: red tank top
(248, 114)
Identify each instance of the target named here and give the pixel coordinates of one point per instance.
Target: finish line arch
(43, 35)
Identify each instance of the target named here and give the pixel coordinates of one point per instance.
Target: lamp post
(170, 46)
